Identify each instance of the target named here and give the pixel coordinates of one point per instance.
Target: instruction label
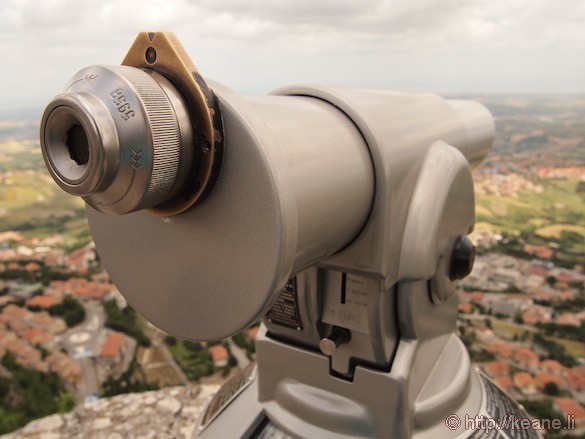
(285, 311)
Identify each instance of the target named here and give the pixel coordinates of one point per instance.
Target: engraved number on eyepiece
(119, 99)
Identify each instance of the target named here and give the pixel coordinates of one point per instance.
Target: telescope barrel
(288, 180)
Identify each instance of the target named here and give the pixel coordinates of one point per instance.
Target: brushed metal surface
(138, 138)
(293, 189)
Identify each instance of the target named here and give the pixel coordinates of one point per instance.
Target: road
(81, 342)
(162, 347)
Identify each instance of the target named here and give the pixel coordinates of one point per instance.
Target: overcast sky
(449, 46)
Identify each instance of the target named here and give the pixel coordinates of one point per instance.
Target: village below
(68, 337)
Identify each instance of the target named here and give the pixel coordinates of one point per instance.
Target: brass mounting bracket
(163, 53)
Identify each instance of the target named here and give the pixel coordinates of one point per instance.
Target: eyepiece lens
(77, 144)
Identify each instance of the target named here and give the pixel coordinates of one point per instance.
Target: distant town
(60, 313)
(67, 335)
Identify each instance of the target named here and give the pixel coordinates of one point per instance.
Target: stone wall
(168, 413)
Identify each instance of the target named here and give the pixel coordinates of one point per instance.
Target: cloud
(452, 45)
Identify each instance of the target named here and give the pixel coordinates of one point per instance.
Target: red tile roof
(538, 270)
(543, 378)
(37, 335)
(43, 301)
(523, 379)
(465, 308)
(15, 311)
(253, 332)
(495, 368)
(553, 366)
(570, 407)
(576, 379)
(218, 353)
(504, 382)
(32, 267)
(113, 345)
(526, 356)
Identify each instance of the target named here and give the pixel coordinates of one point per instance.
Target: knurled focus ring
(164, 129)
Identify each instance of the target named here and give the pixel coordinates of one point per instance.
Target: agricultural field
(557, 213)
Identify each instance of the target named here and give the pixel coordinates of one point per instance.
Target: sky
(446, 46)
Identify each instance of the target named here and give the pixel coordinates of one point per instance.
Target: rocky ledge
(171, 412)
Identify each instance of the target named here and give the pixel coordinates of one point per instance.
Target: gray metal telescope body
(375, 185)
(335, 217)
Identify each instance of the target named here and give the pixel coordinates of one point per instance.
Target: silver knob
(338, 336)
(120, 137)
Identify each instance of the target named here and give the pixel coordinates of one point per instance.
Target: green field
(32, 203)
(557, 213)
(573, 347)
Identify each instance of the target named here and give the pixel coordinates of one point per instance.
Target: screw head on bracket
(462, 258)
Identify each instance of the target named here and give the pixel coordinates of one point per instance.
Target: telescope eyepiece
(120, 137)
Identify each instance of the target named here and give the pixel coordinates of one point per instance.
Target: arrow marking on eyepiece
(136, 156)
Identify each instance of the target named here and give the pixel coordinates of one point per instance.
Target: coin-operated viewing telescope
(339, 216)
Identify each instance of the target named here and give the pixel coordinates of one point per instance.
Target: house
(7, 298)
(496, 368)
(92, 290)
(253, 332)
(38, 336)
(16, 346)
(116, 350)
(504, 383)
(540, 251)
(68, 369)
(465, 308)
(569, 407)
(13, 266)
(18, 326)
(219, 355)
(527, 358)
(501, 348)
(507, 304)
(44, 302)
(32, 267)
(485, 335)
(5, 337)
(544, 378)
(113, 345)
(539, 270)
(50, 324)
(537, 314)
(15, 311)
(553, 367)
(576, 378)
(569, 319)
(31, 358)
(524, 383)
(476, 296)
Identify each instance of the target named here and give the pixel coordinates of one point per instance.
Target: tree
(518, 319)
(28, 395)
(551, 389)
(551, 280)
(69, 310)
